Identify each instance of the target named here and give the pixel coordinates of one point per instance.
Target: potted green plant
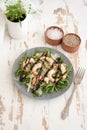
(16, 17)
(16, 13)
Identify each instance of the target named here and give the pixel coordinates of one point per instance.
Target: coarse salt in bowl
(54, 35)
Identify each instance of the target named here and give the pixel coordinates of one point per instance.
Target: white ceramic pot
(16, 30)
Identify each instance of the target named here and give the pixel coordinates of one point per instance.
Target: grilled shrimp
(63, 70)
(50, 60)
(42, 57)
(25, 63)
(46, 79)
(34, 81)
(50, 73)
(32, 60)
(35, 67)
(57, 79)
(64, 76)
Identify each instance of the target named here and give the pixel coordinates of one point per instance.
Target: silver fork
(77, 80)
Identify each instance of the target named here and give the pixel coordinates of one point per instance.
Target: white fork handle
(65, 111)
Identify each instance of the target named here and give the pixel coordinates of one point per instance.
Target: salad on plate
(43, 73)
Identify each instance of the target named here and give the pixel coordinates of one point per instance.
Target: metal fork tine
(78, 72)
(79, 75)
(82, 73)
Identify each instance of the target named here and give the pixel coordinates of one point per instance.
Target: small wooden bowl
(71, 42)
(53, 41)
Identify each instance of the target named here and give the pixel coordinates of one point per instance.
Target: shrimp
(64, 76)
(34, 81)
(32, 60)
(50, 60)
(35, 67)
(46, 79)
(42, 58)
(25, 64)
(50, 73)
(63, 70)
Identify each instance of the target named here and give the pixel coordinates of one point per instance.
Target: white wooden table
(19, 112)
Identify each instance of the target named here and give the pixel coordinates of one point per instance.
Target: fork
(77, 80)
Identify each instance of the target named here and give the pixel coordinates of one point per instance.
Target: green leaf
(16, 12)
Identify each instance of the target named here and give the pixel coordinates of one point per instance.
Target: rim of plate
(24, 89)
